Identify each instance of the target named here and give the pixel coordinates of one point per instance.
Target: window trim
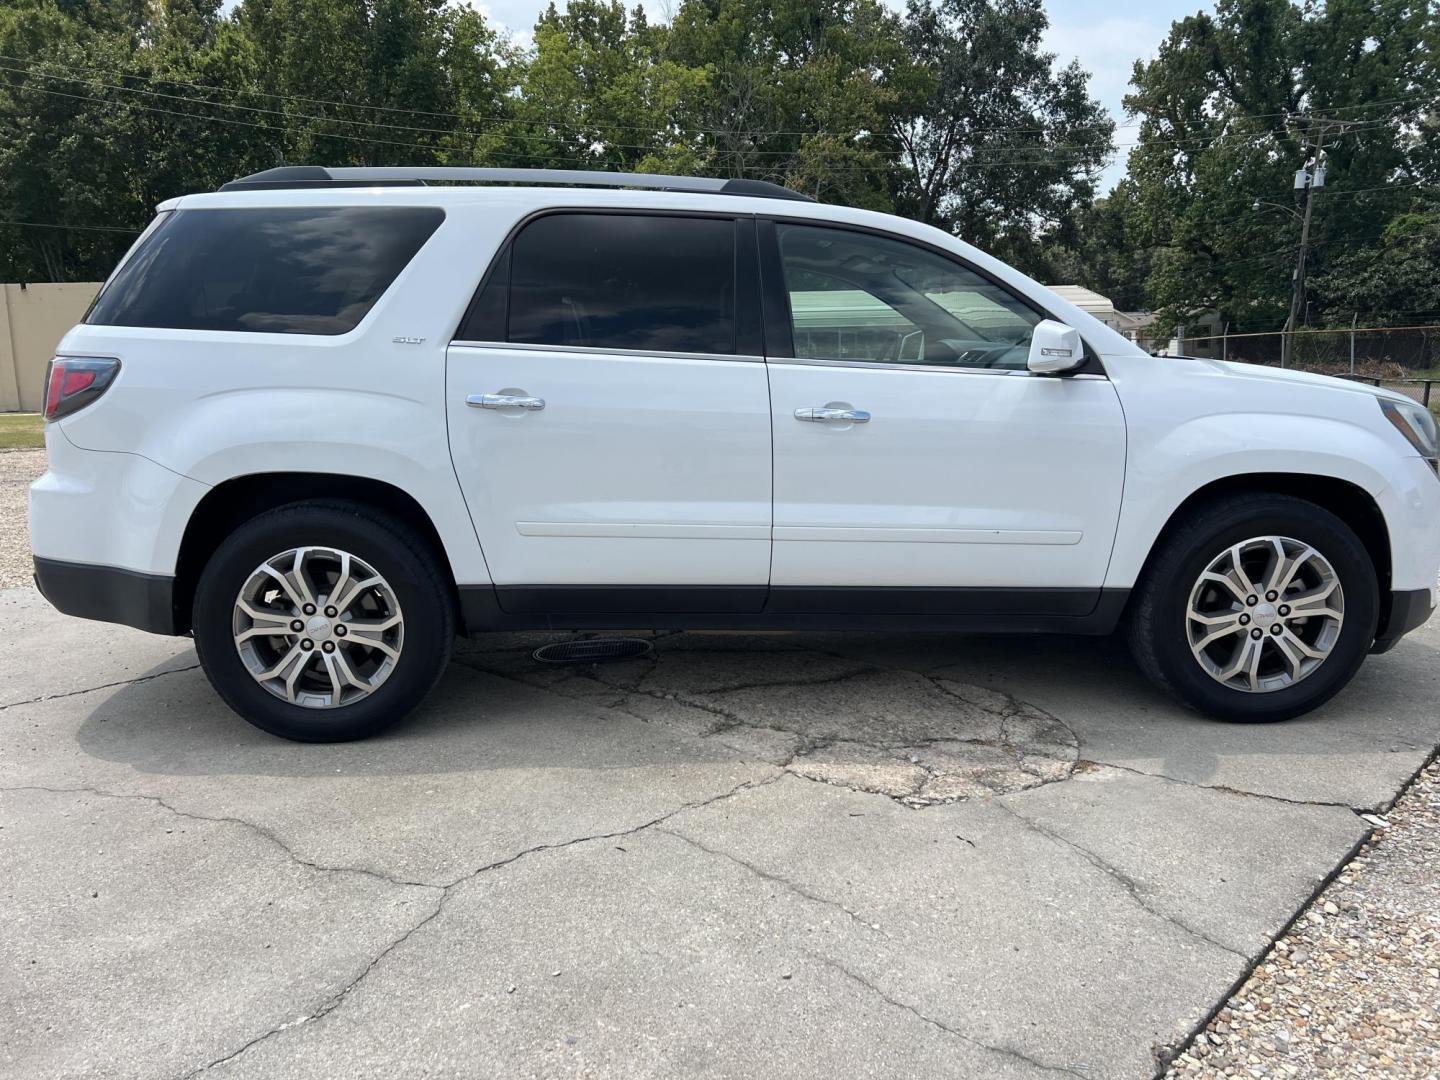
(750, 326)
(527, 346)
(779, 320)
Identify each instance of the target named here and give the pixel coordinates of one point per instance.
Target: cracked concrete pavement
(796, 855)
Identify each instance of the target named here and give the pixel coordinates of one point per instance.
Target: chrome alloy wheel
(318, 627)
(1265, 614)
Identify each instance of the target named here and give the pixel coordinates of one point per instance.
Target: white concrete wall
(33, 319)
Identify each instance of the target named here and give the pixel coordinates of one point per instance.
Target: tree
(998, 146)
(108, 107)
(798, 91)
(1396, 280)
(93, 132)
(600, 91)
(1238, 101)
(1096, 249)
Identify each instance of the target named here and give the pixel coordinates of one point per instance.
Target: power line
(470, 117)
(1024, 154)
(86, 228)
(997, 155)
(983, 158)
(436, 147)
(448, 132)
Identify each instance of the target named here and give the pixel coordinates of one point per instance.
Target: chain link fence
(1403, 358)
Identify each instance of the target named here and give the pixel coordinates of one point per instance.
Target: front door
(609, 416)
(919, 466)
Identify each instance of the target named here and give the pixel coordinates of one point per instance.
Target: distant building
(1130, 323)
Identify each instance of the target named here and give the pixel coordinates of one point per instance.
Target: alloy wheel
(1265, 614)
(318, 627)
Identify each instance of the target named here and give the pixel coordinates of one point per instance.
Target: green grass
(21, 431)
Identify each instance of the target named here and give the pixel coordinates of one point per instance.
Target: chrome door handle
(505, 401)
(833, 416)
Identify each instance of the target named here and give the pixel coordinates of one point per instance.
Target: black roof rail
(307, 176)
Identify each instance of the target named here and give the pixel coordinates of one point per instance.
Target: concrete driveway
(765, 855)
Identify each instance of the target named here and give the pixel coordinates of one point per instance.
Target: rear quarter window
(266, 270)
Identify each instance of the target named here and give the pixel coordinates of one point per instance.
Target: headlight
(1417, 424)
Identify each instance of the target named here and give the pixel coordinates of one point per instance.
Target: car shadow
(923, 718)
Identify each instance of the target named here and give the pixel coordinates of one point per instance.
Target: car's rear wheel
(323, 621)
(1257, 607)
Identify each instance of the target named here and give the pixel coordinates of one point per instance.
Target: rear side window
(281, 270)
(624, 281)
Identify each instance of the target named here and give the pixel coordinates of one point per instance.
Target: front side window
(278, 270)
(856, 296)
(624, 281)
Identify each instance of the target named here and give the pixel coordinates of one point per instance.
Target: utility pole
(1310, 177)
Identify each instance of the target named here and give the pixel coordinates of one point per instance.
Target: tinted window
(288, 270)
(856, 296)
(623, 281)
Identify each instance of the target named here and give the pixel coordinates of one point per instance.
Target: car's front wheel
(323, 621)
(1257, 607)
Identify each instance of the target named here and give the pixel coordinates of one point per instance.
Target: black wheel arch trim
(1403, 610)
(111, 594)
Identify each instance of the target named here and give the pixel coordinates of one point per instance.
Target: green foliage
(1233, 105)
(951, 113)
(108, 107)
(1003, 162)
(1395, 281)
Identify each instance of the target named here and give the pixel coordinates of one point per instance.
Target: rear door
(609, 415)
(919, 466)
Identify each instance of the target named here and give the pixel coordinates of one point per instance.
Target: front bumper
(110, 594)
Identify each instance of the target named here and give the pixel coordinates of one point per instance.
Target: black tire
(1157, 618)
(393, 550)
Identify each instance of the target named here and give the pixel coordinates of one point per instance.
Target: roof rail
(306, 176)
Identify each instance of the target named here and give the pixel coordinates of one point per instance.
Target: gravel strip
(18, 470)
(1353, 989)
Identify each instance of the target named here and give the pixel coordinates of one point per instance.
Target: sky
(1106, 36)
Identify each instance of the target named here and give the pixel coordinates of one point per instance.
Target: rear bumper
(95, 508)
(1409, 609)
(109, 594)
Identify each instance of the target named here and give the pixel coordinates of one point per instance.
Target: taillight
(72, 382)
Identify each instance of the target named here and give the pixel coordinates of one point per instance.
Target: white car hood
(1263, 373)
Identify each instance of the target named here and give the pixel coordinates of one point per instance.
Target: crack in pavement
(1003, 707)
(102, 686)
(1082, 763)
(1129, 884)
(335, 1000)
(777, 880)
(446, 891)
(259, 830)
(996, 745)
(1163, 1055)
(1007, 1051)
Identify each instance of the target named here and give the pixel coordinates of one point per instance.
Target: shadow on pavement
(921, 718)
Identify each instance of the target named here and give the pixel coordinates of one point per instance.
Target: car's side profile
(325, 420)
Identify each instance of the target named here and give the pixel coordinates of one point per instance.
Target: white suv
(325, 419)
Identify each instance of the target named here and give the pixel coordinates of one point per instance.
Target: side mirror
(1054, 347)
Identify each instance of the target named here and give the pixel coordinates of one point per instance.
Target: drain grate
(592, 651)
